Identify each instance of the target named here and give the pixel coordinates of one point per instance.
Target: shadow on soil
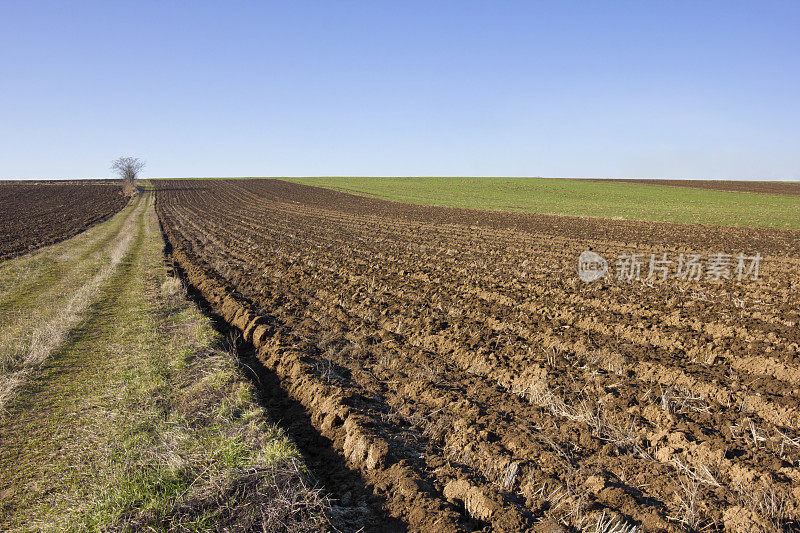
(354, 505)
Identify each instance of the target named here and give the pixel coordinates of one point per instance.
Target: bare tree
(128, 168)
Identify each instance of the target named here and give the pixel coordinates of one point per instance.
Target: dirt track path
(140, 419)
(45, 295)
(52, 424)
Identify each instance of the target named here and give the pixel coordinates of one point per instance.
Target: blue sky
(595, 89)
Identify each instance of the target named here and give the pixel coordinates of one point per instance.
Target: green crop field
(581, 198)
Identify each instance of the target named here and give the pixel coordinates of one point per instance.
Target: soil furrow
(454, 359)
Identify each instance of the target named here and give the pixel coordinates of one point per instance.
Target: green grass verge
(580, 198)
(142, 421)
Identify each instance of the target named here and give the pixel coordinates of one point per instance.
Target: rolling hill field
(430, 354)
(583, 198)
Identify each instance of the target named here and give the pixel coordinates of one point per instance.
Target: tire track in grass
(139, 422)
(26, 278)
(34, 437)
(42, 338)
(34, 288)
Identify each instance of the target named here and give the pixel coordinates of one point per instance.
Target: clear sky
(657, 89)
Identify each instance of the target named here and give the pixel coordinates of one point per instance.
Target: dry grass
(608, 525)
(569, 507)
(238, 470)
(770, 504)
(688, 513)
(682, 400)
(162, 431)
(275, 498)
(699, 473)
(22, 354)
(622, 435)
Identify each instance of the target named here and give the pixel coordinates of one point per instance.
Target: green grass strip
(580, 198)
(142, 421)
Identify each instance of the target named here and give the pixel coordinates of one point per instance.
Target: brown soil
(38, 213)
(764, 187)
(453, 359)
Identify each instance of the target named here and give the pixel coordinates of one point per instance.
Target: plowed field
(37, 213)
(456, 361)
(766, 187)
